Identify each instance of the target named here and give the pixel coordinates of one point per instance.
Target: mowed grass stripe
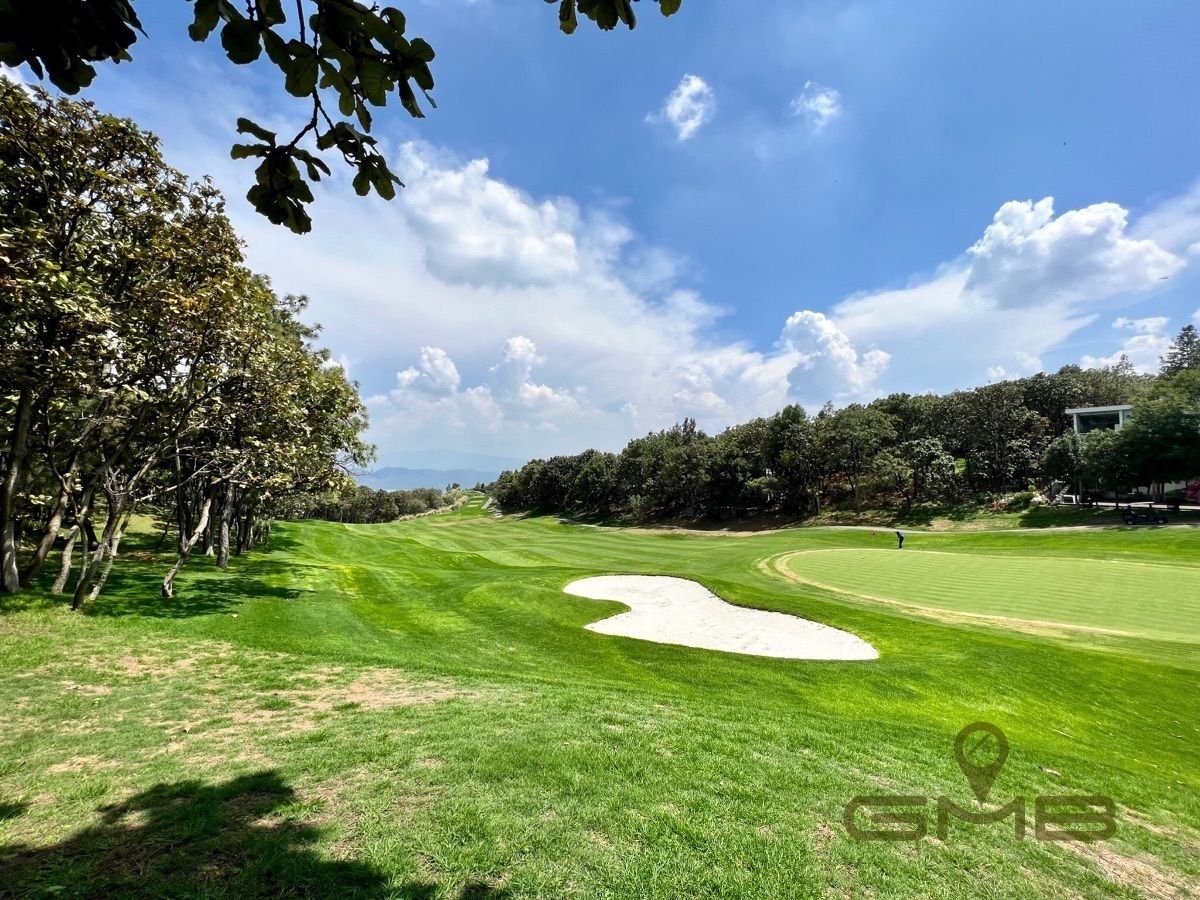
(1141, 599)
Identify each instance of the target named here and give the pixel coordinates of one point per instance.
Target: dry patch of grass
(1148, 879)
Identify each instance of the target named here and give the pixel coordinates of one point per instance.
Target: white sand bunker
(678, 611)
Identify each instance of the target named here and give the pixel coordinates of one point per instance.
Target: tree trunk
(89, 570)
(168, 586)
(209, 546)
(226, 520)
(10, 578)
(244, 533)
(64, 567)
(162, 538)
(114, 543)
(83, 524)
(182, 509)
(53, 524)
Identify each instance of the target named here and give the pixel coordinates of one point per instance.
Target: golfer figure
(899, 540)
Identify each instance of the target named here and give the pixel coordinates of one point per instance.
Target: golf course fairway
(1140, 599)
(418, 710)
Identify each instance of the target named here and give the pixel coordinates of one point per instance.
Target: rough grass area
(416, 710)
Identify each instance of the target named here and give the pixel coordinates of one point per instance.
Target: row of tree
(361, 505)
(142, 365)
(900, 449)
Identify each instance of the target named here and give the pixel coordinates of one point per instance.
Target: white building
(1093, 418)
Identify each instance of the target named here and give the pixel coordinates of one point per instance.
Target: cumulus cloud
(478, 230)
(1144, 346)
(818, 105)
(687, 108)
(1027, 257)
(527, 325)
(827, 364)
(508, 397)
(1031, 281)
(1174, 223)
(436, 374)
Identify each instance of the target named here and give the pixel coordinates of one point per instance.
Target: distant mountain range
(396, 478)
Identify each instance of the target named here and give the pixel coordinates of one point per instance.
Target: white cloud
(1029, 283)
(1027, 257)
(483, 318)
(687, 108)
(479, 230)
(502, 346)
(819, 105)
(436, 375)
(1144, 346)
(828, 367)
(1174, 223)
(507, 399)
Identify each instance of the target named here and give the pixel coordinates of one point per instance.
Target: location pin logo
(981, 749)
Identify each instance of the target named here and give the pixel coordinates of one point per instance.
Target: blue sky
(741, 206)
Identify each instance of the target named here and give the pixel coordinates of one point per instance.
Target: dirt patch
(374, 689)
(230, 716)
(82, 764)
(1187, 837)
(87, 690)
(1140, 875)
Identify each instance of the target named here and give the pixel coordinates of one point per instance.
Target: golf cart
(1148, 516)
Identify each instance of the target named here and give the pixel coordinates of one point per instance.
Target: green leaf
(301, 78)
(240, 38)
(208, 13)
(277, 50)
(567, 20)
(245, 151)
(270, 12)
(376, 79)
(245, 126)
(421, 50)
(669, 7)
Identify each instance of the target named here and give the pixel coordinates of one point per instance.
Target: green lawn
(415, 710)
(1141, 599)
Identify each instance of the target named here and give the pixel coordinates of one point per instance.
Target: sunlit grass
(416, 710)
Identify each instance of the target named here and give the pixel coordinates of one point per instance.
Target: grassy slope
(415, 710)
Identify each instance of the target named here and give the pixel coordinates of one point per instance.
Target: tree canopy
(341, 58)
(141, 363)
(899, 450)
(1184, 352)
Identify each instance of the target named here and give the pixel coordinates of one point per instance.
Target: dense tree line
(142, 365)
(899, 450)
(361, 505)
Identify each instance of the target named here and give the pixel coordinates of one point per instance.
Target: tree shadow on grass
(191, 839)
(136, 589)
(12, 810)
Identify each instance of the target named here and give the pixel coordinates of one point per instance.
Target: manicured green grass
(416, 710)
(1141, 599)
